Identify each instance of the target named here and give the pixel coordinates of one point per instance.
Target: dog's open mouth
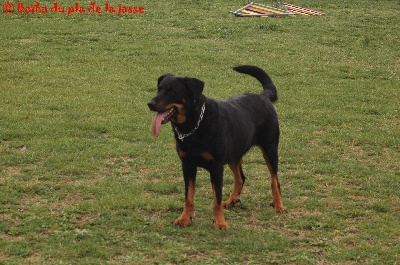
(162, 118)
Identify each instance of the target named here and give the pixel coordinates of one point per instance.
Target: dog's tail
(262, 77)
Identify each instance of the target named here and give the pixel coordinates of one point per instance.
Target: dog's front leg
(218, 209)
(189, 175)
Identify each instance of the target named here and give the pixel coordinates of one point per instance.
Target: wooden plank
(302, 10)
(269, 9)
(259, 11)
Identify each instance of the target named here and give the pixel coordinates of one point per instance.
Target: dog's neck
(193, 120)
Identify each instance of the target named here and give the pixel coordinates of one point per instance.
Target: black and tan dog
(210, 134)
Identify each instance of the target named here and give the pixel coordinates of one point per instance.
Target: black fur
(229, 128)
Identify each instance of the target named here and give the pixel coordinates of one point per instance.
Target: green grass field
(83, 181)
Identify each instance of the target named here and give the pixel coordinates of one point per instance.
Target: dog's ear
(161, 78)
(195, 85)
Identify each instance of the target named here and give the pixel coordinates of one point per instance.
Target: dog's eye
(170, 90)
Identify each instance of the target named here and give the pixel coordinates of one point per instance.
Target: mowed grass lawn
(83, 181)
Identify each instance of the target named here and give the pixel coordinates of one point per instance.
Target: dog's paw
(278, 208)
(182, 222)
(230, 203)
(221, 225)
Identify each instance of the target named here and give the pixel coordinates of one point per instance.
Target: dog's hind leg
(239, 179)
(271, 158)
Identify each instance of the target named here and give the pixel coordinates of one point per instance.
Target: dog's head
(174, 98)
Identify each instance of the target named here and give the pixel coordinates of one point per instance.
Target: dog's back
(249, 119)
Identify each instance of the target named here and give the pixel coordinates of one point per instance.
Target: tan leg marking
(237, 185)
(276, 193)
(188, 210)
(218, 211)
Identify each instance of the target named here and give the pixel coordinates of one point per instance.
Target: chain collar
(182, 136)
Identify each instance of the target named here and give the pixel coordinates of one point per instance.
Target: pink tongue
(157, 123)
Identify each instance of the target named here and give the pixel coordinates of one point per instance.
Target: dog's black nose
(151, 104)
